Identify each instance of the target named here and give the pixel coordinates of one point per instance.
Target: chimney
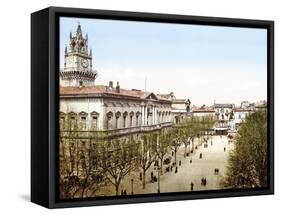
(110, 85)
(118, 87)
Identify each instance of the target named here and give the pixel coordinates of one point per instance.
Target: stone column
(153, 114)
(145, 114)
(142, 116)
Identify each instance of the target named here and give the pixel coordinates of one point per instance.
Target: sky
(205, 64)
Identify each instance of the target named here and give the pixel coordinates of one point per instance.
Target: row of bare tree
(88, 164)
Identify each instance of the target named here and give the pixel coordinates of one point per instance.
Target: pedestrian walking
(224, 149)
(180, 163)
(191, 186)
(203, 181)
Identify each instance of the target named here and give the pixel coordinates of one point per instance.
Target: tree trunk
(161, 165)
(83, 191)
(117, 189)
(143, 180)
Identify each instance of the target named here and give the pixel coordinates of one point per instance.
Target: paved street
(213, 157)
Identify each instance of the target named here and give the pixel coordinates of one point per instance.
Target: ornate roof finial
(90, 51)
(70, 35)
(78, 30)
(65, 50)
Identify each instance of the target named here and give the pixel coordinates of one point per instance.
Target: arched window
(83, 120)
(131, 118)
(117, 119)
(62, 120)
(73, 122)
(109, 116)
(138, 114)
(125, 114)
(176, 119)
(94, 120)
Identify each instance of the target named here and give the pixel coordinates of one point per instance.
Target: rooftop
(102, 90)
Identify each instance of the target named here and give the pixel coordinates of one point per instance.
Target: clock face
(69, 61)
(84, 63)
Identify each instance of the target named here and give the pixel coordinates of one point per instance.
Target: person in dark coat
(191, 186)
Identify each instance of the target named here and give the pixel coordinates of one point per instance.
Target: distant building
(261, 105)
(224, 114)
(180, 109)
(240, 115)
(203, 111)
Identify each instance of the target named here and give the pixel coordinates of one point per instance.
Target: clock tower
(77, 71)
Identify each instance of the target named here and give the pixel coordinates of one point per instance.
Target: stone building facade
(104, 107)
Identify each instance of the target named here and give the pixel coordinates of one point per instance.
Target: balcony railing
(112, 132)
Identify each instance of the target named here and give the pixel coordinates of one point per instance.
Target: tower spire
(78, 59)
(78, 30)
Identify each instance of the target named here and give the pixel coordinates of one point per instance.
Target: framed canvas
(141, 107)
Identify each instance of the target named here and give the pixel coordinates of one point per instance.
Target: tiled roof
(99, 90)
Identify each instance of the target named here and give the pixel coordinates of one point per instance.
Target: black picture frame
(45, 100)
